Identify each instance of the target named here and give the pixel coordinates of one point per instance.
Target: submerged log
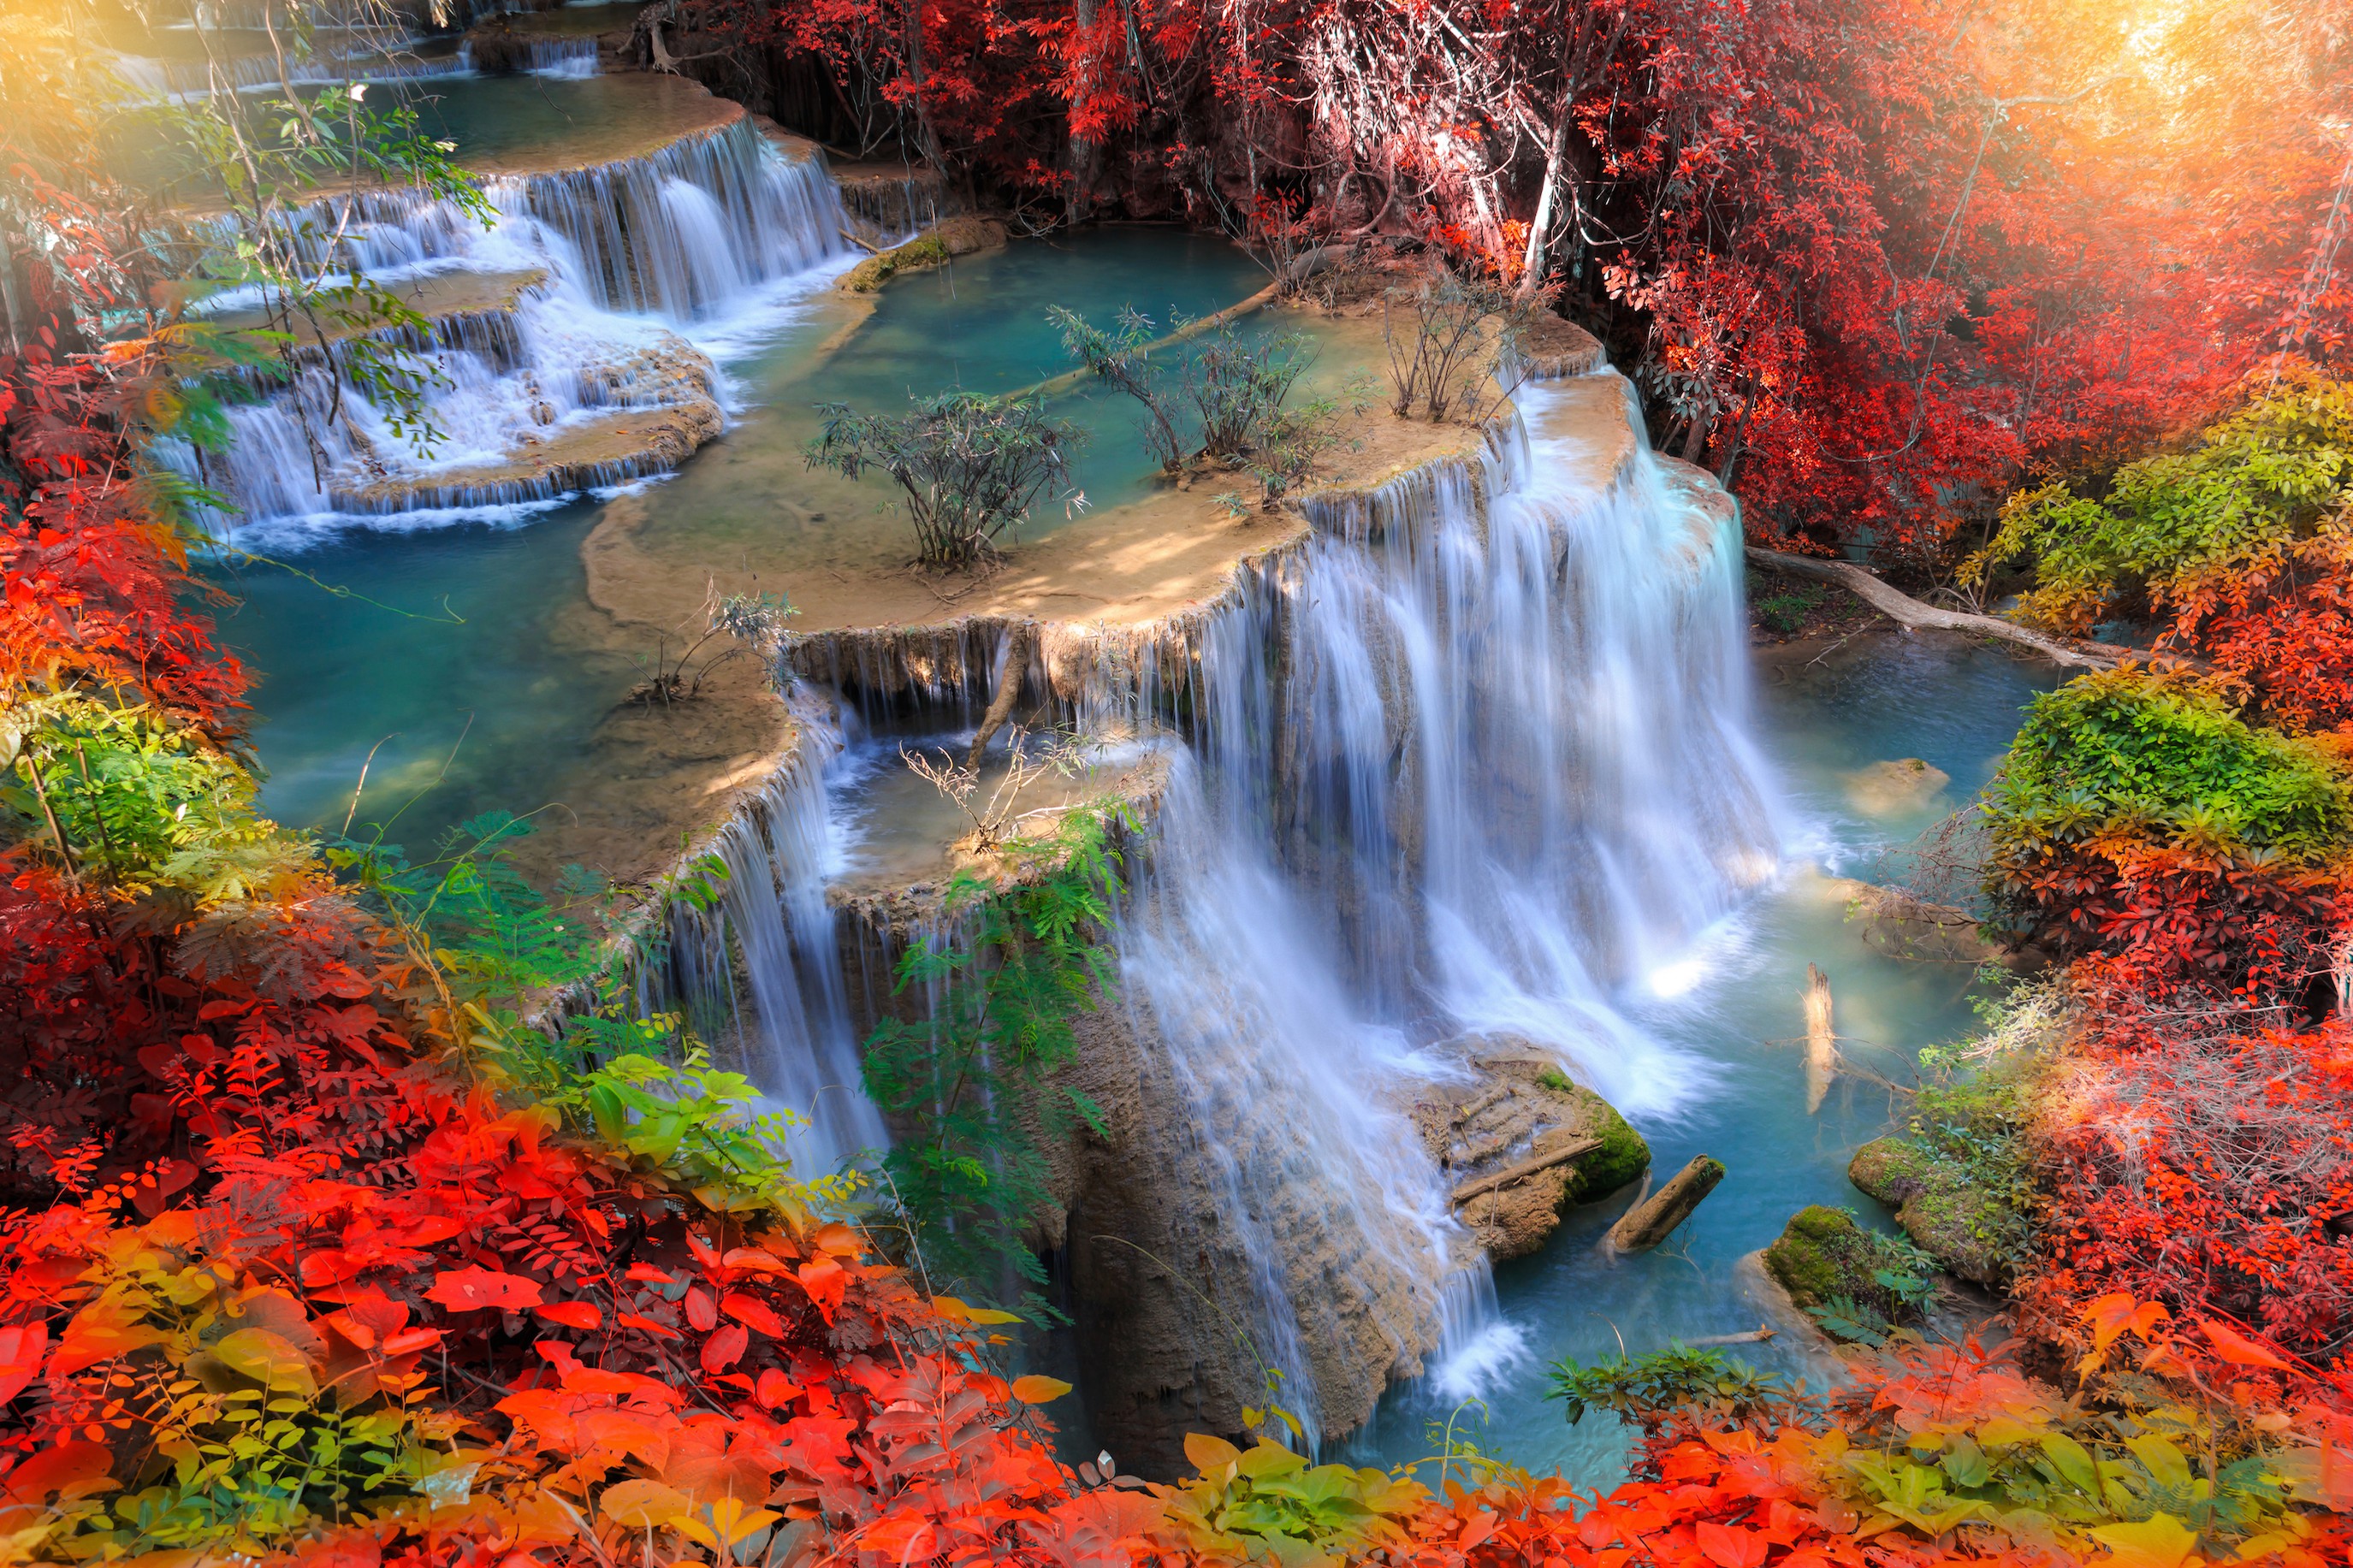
(1821, 1042)
(1651, 1222)
(1902, 608)
(1756, 1336)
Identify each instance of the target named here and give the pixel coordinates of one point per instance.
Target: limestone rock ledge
(657, 405)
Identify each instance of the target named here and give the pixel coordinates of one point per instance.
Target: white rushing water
(801, 1044)
(647, 263)
(1459, 777)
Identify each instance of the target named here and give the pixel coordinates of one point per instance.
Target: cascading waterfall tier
(587, 376)
(1462, 769)
(763, 965)
(1466, 765)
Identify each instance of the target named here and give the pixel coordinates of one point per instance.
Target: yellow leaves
(2073, 1462)
(730, 1524)
(642, 1504)
(1035, 1389)
(958, 1311)
(270, 1359)
(2163, 1541)
(102, 1331)
(725, 1525)
(2111, 1317)
(1210, 1456)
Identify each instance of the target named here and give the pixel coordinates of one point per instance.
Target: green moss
(913, 257)
(1807, 1259)
(1623, 1155)
(1967, 1224)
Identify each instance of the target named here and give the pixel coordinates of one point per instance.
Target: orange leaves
(1035, 1389)
(2239, 1349)
(100, 1331)
(482, 1289)
(825, 1282)
(2113, 1316)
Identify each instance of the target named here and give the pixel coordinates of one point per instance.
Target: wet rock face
(1520, 1143)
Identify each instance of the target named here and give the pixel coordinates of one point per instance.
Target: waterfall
(611, 266)
(565, 59)
(800, 1043)
(1460, 773)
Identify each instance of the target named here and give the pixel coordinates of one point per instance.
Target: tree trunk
(1651, 1222)
(1082, 152)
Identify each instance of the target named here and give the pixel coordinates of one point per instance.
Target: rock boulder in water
(1904, 925)
(1885, 789)
(1520, 1143)
(1938, 1207)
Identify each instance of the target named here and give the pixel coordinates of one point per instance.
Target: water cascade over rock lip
(1459, 762)
(561, 343)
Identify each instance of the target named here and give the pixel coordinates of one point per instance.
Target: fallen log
(1902, 608)
(1574, 1149)
(1651, 1222)
(1821, 1041)
(1756, 1336)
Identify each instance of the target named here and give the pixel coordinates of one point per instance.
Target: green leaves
(973, 1078)
(2264, 474)
(2126, 751)
(1647, 1390)
(968, 466)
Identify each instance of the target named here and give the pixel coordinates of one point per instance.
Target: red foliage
(2277, 629)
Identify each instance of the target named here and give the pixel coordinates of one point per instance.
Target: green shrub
(969, 468)
(2265, 473)
(2124, 749)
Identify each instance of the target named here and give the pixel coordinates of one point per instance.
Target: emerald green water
(500, 709)
(1951, 703)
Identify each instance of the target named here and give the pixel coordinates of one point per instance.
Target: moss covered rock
(1521, 1143)
(1970, 1231)
(1810, 1257)
(1824, 1259)
(934, 248)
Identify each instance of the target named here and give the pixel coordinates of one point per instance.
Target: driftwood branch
(1009, 692)
(1575, 1149)
(1902, 607)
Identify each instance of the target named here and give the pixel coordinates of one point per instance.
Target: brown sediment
(1134, 563)
(648, 112)
(658, 782)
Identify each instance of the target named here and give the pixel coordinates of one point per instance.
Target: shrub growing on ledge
(970, 466)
